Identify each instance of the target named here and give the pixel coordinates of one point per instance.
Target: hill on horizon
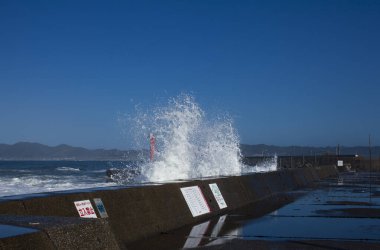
(37, 151)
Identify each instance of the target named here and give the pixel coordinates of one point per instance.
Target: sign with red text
(195, 200)
(85, 209)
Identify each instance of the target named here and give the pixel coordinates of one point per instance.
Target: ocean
(32, 177)
(189, 145)
(27, 177)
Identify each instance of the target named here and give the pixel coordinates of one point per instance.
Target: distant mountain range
(37, 151)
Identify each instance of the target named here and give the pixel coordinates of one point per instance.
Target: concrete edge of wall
(140, 212)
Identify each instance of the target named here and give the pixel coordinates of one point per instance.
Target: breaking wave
(189, 144)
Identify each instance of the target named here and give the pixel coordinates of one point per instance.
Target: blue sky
(288, 72)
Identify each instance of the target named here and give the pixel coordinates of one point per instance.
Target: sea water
(25, 177)
(189, 144)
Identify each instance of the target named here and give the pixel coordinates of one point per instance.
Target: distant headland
(36, 151)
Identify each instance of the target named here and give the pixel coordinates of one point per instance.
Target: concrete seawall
(135, 213)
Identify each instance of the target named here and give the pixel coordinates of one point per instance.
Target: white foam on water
(45, 183)
(99, 171)
(188, 143)
(67, 169)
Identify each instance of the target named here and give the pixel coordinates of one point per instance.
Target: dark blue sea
(26, 177)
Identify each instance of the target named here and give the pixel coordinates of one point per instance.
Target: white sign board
(85, 209)
(195, 200)
(218, 195)
(340, 163)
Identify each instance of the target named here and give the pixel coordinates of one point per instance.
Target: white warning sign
(85, 209)
(218, 195)
(195, 200)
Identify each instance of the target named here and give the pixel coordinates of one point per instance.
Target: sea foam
(189, 144)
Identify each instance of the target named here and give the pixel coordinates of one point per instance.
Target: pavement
(341, 213)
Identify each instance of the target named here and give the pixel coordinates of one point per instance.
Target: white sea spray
(189, 144)
(268, 165)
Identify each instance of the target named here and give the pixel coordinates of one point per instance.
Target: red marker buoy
(152, 146)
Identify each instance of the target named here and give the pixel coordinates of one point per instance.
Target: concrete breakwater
(134, 213)
(353, 162)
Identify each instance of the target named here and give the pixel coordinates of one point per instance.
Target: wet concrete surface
(342, 213)
(47, 232)
(9, 230)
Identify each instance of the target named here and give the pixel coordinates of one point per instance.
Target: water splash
(268, 165)
(188, 143)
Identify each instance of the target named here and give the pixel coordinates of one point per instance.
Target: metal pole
(337, 154)
(291, 158)
(303, 159)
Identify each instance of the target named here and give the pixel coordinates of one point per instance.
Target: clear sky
(289, 72)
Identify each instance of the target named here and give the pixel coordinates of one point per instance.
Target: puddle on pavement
(9, 231)
(332, 213)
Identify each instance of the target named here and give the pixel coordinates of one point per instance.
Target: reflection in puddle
(196, 235)
(201, 235)
(340, 181)
(216, 230)
(9, 231)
